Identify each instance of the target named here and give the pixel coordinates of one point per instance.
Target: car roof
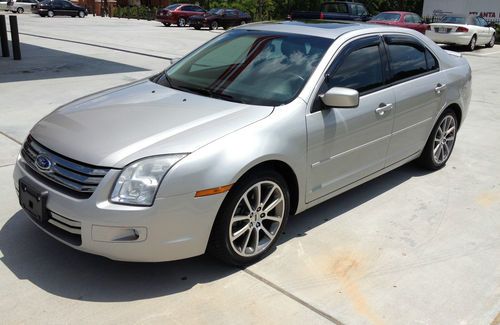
(320, 28)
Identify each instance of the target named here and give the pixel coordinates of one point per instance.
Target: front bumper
(449, 38)
(173, 228)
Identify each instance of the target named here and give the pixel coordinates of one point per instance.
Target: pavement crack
(1, 166)
(11, 138)
(293, 297)
(100, 46)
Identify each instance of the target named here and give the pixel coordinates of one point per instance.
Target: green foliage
(142, 12)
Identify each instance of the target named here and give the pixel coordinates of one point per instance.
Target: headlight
(138, 182)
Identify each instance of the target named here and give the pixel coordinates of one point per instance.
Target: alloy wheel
(444, 139)
(257, 218)
(181, 22)
(50, 13)
(81, 14)
(20, 10)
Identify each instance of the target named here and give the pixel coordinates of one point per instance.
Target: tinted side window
(432, 62)
(360, 70)
(360, 10)
(406, 60)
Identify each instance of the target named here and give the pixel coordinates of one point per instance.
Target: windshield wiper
(208, 93)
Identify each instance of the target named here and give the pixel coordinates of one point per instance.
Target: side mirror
(341, 98)
(492, 25)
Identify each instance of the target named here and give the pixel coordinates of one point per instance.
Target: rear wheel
(20, 10)
(166, 24)
(197, 27)
(50, 13)
(440, 144)
(81, 14)
(214, 25)
(181, 22)
(472, 44)
(250, 219)
(492, 41)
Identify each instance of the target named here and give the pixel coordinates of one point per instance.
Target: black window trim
(344, 51)
(409, 40)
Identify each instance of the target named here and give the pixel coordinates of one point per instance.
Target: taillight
(462, 30)
(321, 15)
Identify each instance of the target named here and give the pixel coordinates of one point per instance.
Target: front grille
(79, 178)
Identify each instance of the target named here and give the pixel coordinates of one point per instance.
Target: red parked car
(178, 14)
(400, 19)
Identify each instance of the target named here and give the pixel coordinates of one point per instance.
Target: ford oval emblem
(43, 163)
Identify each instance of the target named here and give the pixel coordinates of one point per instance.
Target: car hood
(118, 126)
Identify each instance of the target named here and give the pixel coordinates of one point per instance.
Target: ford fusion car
(469, 31)
(217, 151)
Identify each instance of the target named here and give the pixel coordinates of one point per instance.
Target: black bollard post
(3, 37)
(14, 35)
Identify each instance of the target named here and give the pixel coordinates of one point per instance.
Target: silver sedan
(214, 153)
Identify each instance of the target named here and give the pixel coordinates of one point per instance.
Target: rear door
(419, 87)
(345, 145)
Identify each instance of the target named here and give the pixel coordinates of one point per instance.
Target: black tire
(20, 10)
(213, 25)
(197, 27)
(181, 22)
(492, 41)
(472, 44)
(219, 244)
(427, 158)
(50, 14)
(166, 24)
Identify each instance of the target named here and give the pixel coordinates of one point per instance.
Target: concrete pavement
(409, 247)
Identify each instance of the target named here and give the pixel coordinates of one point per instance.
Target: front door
(345, 145)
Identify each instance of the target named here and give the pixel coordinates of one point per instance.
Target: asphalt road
(410, 247)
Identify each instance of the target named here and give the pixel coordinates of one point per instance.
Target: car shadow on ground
(32, 255)
(40, 63)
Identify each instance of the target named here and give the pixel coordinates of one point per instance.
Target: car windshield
(213, 11)
(173, 7)
(252, 67)
(386, 16)
(453, 20)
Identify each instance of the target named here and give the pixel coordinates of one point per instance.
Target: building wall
(489, 9)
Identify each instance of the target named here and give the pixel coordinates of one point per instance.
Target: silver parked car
(21, 6)
(214, 153)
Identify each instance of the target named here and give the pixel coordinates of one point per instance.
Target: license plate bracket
(33, 199)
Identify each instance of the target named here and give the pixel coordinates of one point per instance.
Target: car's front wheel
(492, 41)
(251, 218)
(50, 13)
(81, 14)
(214, 25)
(20, 10)
(440, 144)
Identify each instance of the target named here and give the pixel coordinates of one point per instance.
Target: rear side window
(335, 8)
(432, 62)
(360, 70)
(406, 61)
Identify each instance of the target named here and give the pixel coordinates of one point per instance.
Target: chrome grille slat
(78, 177)
(68, 164)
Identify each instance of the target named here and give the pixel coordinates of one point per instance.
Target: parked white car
(469, 31)
(21, 6)
(3, 5)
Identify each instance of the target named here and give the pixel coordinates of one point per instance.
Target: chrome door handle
(439, 88)
(383, 108)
